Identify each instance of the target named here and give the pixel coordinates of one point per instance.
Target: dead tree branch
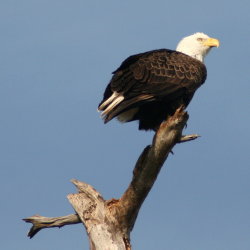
(109, 222)
(39, 222)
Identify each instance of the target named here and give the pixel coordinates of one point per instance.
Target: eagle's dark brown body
(150, 86)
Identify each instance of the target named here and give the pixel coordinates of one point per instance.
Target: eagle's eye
(199, 39)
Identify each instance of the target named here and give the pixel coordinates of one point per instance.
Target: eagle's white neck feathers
(197, 45)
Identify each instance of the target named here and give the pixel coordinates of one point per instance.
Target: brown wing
(154, 75)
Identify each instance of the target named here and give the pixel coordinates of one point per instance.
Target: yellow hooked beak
(211, 42)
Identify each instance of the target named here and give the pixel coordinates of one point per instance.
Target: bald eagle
(150, 86)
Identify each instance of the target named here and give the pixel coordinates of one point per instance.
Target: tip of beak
(215, 42)
(212, 42)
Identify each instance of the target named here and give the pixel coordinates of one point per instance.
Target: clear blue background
(56, 59)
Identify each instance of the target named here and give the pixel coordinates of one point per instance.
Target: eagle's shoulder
(162, 66)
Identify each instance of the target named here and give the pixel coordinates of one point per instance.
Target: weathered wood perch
(109, 222)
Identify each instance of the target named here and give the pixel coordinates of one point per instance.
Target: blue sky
(56, 59)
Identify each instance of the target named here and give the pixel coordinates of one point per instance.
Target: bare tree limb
(39, 222)
(186, 138)
(102, 227)
(149, 165)
(109, 222)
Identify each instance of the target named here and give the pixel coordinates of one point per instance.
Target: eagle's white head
(197, 45)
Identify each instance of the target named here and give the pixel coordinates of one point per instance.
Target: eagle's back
(150, 86)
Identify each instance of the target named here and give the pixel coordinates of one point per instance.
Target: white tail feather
(108, 101)
(113, 101)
